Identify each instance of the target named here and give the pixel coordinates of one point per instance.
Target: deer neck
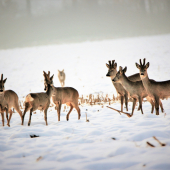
(113, 76)
(146, 82)
(126, 83)
(49, 91)
(1, 96)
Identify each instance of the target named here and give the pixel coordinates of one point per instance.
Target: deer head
(2, 82)
(61, 72)
(142, 68)
(112, 68)
(48, 81)
(119, 75)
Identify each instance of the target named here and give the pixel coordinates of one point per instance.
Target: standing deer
(156, 90)
(135, 89)
(68, 96)
(39, 101)
(112, 70)
(61, 77)
(8, 100)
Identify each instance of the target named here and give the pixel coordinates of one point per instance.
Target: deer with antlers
(135, 89)
(39, 101)
(156, 90)
(8, 100)
(112, 71)
(68, 96)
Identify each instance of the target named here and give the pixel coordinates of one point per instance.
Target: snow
(77, 144)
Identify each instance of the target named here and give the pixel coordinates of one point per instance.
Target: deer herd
(137, 86)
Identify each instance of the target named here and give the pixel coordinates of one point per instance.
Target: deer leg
(10, 115)
(18, 110)
(157, 105)
(122, 99)
(23, 117)
(29, 122)
(6, 110)
(151, 102)
(27, 107)
(6, 115)
(139, 108)
(58, 110)
(71, 108)
(126, 101)
(2, 115)
(79, 114)
(140, 104)
(45, 116)
(133, 106)
(161, 105)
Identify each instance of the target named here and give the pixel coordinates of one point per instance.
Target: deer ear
(4, 80)
(137, 65)
(125, 69)
(120, 69)
(45, 75)
(63, 70)
(147, 65)
(51, 78)
(115, 66)
(107, 65)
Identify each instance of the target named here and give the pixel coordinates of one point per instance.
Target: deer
(112, 70)
(68, 96)
(8, 100)
(39, 101)
(135, 89)
(61, 77)
(156, 90)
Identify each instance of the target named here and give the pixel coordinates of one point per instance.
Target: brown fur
(112, 70)
(61, 77)
(68, 96)
(135, 89)
(156, 90)
(39, 101)
(8, 100)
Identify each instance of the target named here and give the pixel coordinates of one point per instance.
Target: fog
(40, 22)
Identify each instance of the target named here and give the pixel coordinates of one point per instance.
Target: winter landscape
(80, 37)
(109, 140)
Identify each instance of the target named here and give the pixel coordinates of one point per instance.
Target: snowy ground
(78, 144)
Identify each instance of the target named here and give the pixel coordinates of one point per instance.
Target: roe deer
(61, 77)
(40, 101)
(68, 96)
(8, 100)
(156, 90)
(112, 70)
(135, 89)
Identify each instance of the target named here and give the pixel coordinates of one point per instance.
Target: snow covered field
(78, 144)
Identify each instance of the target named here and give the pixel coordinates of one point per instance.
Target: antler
(113, 62)
(140, 62)
(120, 68)
(48, 73)
(144, 61)
(110, 63)
(1, 77)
